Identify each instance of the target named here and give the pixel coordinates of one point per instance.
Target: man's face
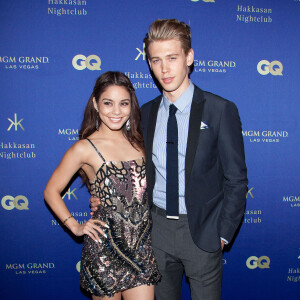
(170, 64)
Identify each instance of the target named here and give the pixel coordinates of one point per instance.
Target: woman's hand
(95, 202)
(91, 229)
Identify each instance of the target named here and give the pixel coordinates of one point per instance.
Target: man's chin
(168, 88)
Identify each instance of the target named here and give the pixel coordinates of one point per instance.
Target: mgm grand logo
(265, 136)
(213, 66)
(293, 201)
(23, 62)
(70, 133)
(30, 268)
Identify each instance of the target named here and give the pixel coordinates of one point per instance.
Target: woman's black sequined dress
(125, 258)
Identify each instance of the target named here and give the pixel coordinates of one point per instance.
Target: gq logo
(19, 202)
(265, 67)
(92, 62)
(78, 266)
(254, 262)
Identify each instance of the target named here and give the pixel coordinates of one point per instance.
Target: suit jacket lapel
(152, 124)
(149, 140)
(194, 131)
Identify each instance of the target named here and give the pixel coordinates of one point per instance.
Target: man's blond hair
(168, 29)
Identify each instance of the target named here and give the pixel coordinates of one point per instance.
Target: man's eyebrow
(168, 55)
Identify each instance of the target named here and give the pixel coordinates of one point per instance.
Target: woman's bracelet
(64, 222)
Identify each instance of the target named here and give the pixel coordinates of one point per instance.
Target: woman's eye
(107, 103)
(125, 103)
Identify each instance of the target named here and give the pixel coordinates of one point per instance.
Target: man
(210, 169)
(196, 172)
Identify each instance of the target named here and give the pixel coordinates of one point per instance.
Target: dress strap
(96, 150)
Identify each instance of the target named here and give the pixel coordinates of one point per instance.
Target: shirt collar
(183, 101)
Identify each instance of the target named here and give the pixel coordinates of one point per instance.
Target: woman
(117, 258)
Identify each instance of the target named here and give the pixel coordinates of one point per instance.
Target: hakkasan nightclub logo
(15, 123)
(70, 194)
(67, 8)
(91, 62)
(265, 136)
(19, 202)
(253, 14)
(70, 134)
(30, 268)
(214, 66)
(293, 275)
(254, 215)
(275, 67)
(23, 62)
(293, 272)
(13, 149)
(80, 216)
(139, 79)
(291, 201)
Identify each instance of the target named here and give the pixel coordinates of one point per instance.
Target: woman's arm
(71, 162)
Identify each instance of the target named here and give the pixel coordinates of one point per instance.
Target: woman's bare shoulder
(81, 147)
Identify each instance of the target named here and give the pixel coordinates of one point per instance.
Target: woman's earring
(128, 126)
(97, 120)
(97, 123)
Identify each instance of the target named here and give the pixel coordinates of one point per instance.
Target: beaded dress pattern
(125, 258)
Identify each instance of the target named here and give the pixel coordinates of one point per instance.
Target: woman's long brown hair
(88, 125)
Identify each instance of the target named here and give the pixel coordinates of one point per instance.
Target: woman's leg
(116, 296)
(145, 292)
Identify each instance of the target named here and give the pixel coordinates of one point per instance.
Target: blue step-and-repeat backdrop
(52, 51)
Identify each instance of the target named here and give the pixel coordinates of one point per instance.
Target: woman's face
(114, 107)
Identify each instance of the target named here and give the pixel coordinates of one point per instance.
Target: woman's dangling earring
(128, 126)
(97, 123)
(97, 120)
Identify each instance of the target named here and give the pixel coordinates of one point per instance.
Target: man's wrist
(224, 240)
